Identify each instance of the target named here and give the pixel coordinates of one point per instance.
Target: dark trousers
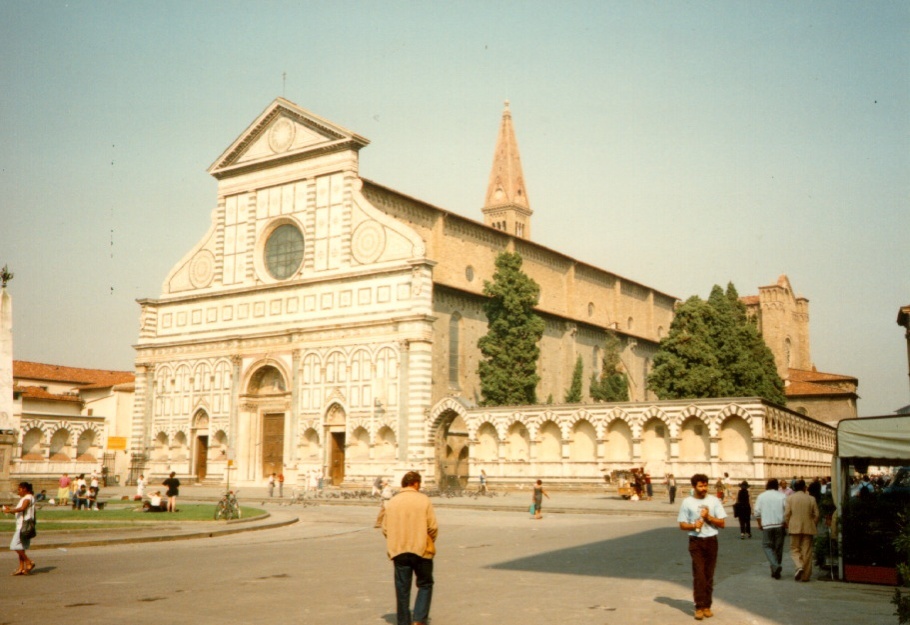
(772, 542)
(745, 526)
(704, 558)
(672, 494)
(408, 565)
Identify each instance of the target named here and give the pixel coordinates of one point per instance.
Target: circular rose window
(284, 251)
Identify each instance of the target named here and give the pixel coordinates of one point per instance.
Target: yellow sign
(116, 442)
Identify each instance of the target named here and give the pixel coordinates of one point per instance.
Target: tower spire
(506, 206)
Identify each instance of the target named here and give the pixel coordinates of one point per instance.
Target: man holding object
(702, 515)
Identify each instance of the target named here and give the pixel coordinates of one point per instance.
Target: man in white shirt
(702, 515)
(769, 512)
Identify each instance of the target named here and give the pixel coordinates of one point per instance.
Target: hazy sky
(678, 144)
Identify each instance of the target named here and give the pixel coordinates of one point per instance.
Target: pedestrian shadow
(683, 605)
(391, 619)
(661, 555)
(617, 557)
(40, 570)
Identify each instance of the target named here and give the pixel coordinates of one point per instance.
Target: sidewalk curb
(166, 537)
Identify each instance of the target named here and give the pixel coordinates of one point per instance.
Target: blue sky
(678, 144)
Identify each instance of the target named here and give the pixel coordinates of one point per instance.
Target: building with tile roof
(71, 420)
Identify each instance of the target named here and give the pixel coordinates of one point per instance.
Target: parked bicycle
(227, 507)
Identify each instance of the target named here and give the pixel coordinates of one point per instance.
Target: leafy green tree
(508, 371)
(612, 385)
(573, 395)
(749, 360)
(714, 350)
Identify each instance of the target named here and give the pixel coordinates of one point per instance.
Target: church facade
(328, 324)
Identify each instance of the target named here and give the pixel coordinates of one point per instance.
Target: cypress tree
(573, 395)
(612, 384)
(508, 370)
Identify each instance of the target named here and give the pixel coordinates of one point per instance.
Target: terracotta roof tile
(802, 389)
(84, 378)
(36, 392)
(802, 375)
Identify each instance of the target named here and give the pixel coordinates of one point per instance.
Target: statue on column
(8, 436)
(6, 353)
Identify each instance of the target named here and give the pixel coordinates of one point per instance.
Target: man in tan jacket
(409, 526)
(801, 518)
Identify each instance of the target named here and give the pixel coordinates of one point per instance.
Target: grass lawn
(116, 514)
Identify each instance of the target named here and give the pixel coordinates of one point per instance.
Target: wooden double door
(272, 443)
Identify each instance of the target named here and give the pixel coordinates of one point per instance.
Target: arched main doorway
(267, 393)
(335, 442)
(452, 452)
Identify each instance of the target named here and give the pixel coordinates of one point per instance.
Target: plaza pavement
(281, 511)
(634, 600)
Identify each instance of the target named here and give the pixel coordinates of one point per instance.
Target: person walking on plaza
(385, 494)
(671, 488)
(173, 489)
(410, 528)
(742, 510)
(702, 515)
(271, 484)
(537, 496)
(24, 511)
(719, 489)
(483, 482)
(801, 518)
(281, 485)
(769, 514)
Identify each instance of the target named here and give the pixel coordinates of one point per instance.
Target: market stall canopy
(881, 440)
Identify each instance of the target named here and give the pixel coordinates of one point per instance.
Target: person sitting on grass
(91, 498)
(80, 498)
(154, 503)
(94, 497)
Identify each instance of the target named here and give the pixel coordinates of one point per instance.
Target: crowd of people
(786, 508)
(80, 492)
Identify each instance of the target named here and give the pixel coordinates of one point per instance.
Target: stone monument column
(7, 430)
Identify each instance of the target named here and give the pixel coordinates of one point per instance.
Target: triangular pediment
(284, 132)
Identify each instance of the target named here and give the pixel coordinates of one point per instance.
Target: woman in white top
(25, 509)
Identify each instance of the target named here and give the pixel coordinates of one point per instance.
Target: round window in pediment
(284, 251)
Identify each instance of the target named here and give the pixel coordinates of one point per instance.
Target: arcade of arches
(748, 439)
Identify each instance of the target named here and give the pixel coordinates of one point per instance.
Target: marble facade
(326, 323)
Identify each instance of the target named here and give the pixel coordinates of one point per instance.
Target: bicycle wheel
(221, 510)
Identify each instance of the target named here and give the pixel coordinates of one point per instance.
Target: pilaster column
(143, 414)
(418, 392)
(290, 445)
(674, 450)
(236, 363)
(636, 452)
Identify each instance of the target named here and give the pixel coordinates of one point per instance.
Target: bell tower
(506, 206)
